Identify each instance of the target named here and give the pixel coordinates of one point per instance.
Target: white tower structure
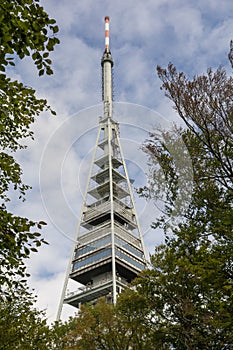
(109, 251)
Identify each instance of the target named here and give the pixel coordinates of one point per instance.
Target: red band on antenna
(107, 33)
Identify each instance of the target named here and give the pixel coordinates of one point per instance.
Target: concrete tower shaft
(107, 84)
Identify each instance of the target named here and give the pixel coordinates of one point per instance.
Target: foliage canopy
(25, 30)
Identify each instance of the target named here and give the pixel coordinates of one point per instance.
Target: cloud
(192, 35)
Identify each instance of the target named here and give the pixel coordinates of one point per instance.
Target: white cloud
(143, 34)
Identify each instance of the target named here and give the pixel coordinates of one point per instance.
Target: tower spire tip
(107, 33)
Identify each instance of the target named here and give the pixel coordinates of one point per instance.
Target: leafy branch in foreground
(25, 30)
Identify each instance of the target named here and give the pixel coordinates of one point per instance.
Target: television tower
(109, 251)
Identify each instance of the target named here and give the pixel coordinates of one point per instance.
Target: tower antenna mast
(107, 64)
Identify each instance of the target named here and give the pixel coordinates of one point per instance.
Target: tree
(22, 326)
(205, 105)
(190, 286)
(188, 298)
(104, 326)
(25, 30)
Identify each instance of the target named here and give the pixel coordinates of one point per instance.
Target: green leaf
(34, 250)
(55, 29)
(41, 72)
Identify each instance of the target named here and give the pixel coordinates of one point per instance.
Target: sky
(193, 35)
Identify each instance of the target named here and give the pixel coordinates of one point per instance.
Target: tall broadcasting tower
(109, 251)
